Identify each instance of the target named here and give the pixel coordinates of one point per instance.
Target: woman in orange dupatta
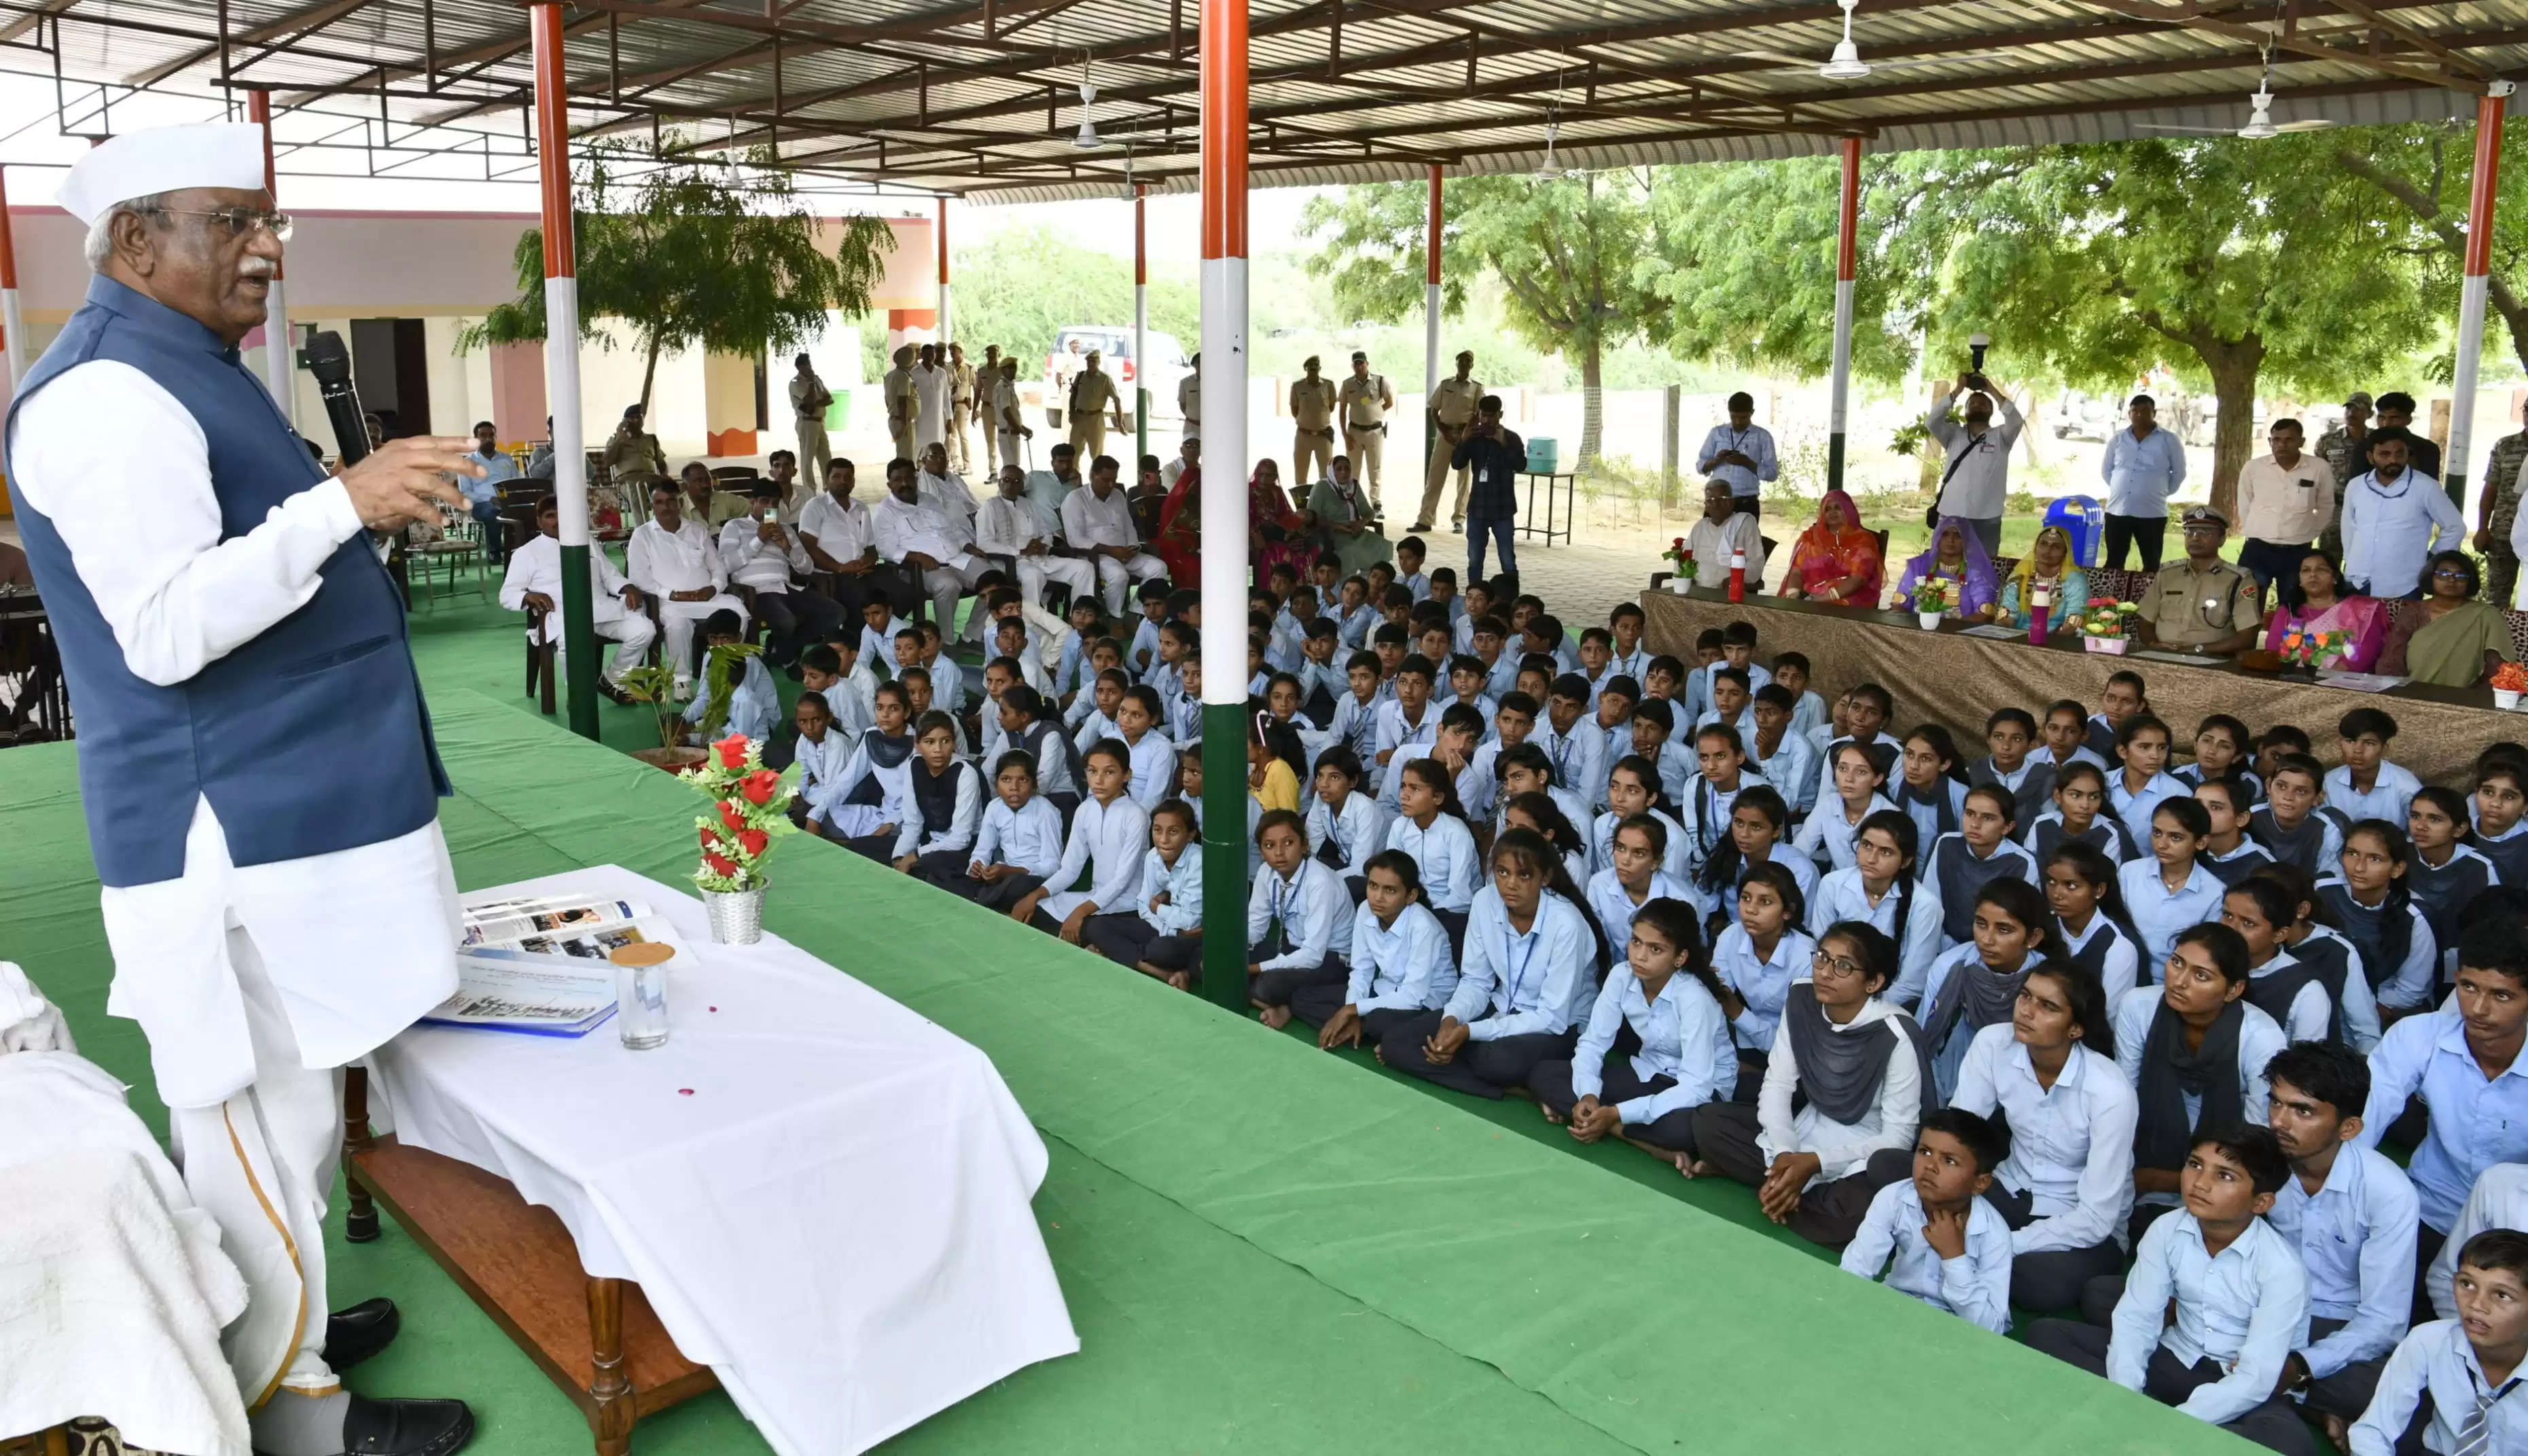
(1835, 559)
(1180, 540)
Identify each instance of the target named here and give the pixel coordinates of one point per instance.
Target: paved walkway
(1580, 581)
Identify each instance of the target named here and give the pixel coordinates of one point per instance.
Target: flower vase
(2506, 698)
(1930, 620)
(736, 917)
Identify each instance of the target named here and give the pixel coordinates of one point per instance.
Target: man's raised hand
(400, 482)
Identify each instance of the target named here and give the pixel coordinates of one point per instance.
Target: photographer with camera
(1976, 482)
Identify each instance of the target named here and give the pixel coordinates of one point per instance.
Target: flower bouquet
(2109, 625)
(751, 810)
(2304, 652)
(1680, 560)
(2508, 681)
(1934, 597)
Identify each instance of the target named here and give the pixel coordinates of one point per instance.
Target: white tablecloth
(834, 1218)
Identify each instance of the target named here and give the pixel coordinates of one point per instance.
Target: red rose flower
(753, 841)
(757, 786)
(709, 836)
(729, 815)
(732, 750)
(718, 865)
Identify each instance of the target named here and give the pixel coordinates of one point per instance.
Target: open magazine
(538, 965)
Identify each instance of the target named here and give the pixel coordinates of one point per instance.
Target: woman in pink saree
(2318, 601)
(1836, 558)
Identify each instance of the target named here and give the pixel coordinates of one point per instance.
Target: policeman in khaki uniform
(1452, 409)
(1093, 399)
(1365, 399)
(2201, 603)
(961, 406)
(903, 402)
(809, 401)
(1312, 416)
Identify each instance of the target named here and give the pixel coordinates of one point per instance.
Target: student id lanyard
(1519, 970)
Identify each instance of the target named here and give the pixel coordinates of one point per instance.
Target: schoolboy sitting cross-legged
(2239, 1292)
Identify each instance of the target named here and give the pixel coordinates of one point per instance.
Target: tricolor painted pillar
(562, 362)
(942, 301)
(1140, 328)
(2470, 299)
(280, 358)
(1224, 495)
(1847, 245)
(12, 324)
(1431, 324)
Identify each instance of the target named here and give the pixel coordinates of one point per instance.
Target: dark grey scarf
(2170, 1073)
(1840, 1071)
(1975, 991)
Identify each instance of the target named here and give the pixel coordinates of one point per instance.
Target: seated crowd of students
(2066, 1029)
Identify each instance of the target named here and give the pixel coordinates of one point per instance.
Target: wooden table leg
(611, 1412)
(361, 1218)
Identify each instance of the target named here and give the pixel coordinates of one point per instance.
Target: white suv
(1070, 354)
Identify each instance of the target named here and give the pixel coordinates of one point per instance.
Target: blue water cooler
(2085, 521)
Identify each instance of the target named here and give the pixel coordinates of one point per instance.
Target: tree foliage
(1026, 283)
(2422, 175)
(690, 261)
(1561, 250)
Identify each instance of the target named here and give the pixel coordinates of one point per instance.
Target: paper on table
(2362, 682)
(507, 923)
(1994, 629)
(506, 995)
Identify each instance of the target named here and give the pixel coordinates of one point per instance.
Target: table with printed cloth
(1958, 680)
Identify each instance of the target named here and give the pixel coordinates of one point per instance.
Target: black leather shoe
(355, 1334)
(405, 1427)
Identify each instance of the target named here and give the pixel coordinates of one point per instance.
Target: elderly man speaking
(261, 787)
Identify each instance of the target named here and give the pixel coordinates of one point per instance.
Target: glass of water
(641, 994)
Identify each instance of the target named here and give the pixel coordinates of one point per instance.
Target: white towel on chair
(112, 1288)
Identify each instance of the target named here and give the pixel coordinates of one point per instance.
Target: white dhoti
(630, 631)
(1074, 572)
(255, 987)
(1113, 574)
(676, 623)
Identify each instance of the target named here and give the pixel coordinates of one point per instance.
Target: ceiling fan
(1545, 171)
(1086, 137)
(1846, 62)
(2260, 105)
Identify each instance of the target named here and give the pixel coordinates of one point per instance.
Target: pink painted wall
(392, 264)
(518, 391)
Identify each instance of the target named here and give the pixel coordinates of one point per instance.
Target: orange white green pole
(1846, 250)
(1224, 494)
(1140, 325)
(561, 361)
(2472, 291)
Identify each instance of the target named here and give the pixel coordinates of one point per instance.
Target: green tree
(2425, 173)
(690, 261)
(1560, 250)
(1744, 257)
(2257, 258)
(1024, 284)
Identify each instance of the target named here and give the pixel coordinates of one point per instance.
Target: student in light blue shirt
(2371, 903)
(1019, 844)
(1571, 739)
(1779, 752)
(1154, 755)
(1529, 977)
(1880, 890)
(1432, 828)
(2366, 785)
(1298, 919)
(1934, 1234)
(1977, 985)
(2479, 1114)
(822, 753)
(1346, 828)
(1684, 1057)
(2170, 890)
(1631, 790)
(2352, 1216)
(2240, 1293)
(1755, 961)
(1400, 963)
(754, 705)
(2470, 1410)
(2137, 787)
(1633, 879)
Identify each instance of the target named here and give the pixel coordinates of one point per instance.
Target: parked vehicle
(1071, 345)
(2079, 416)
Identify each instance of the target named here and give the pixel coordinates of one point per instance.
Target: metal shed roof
(980, 99)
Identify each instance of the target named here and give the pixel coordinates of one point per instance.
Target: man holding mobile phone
(763, 556)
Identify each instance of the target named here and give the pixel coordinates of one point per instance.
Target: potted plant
(1680, 557)
(750, 812)
(657, 687)
(2109, 625)
(2305, 652)
(1933, 595)
(2508, 681)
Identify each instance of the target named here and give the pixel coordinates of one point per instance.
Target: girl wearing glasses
(2196, 1054)
(1848, 1079)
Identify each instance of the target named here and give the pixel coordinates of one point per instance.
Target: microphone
(331, 363)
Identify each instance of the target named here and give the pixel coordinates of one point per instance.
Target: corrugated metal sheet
(1622, 81)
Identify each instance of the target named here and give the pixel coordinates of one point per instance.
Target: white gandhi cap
(163, 159)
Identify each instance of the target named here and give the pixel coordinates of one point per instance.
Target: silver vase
(736, 917)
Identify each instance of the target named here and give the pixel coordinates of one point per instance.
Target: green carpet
(1263, 1247)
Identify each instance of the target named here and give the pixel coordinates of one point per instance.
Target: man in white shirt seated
(534, 580)
(1010, 525)
(1099, 522)
(924, 539)
(842, 543)
(1048, 489)
(673, 559)
(943, 488)
(1722, 530)
(1189, 457)
(764, 556)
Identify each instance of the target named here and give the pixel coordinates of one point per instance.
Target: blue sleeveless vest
(310, 739)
